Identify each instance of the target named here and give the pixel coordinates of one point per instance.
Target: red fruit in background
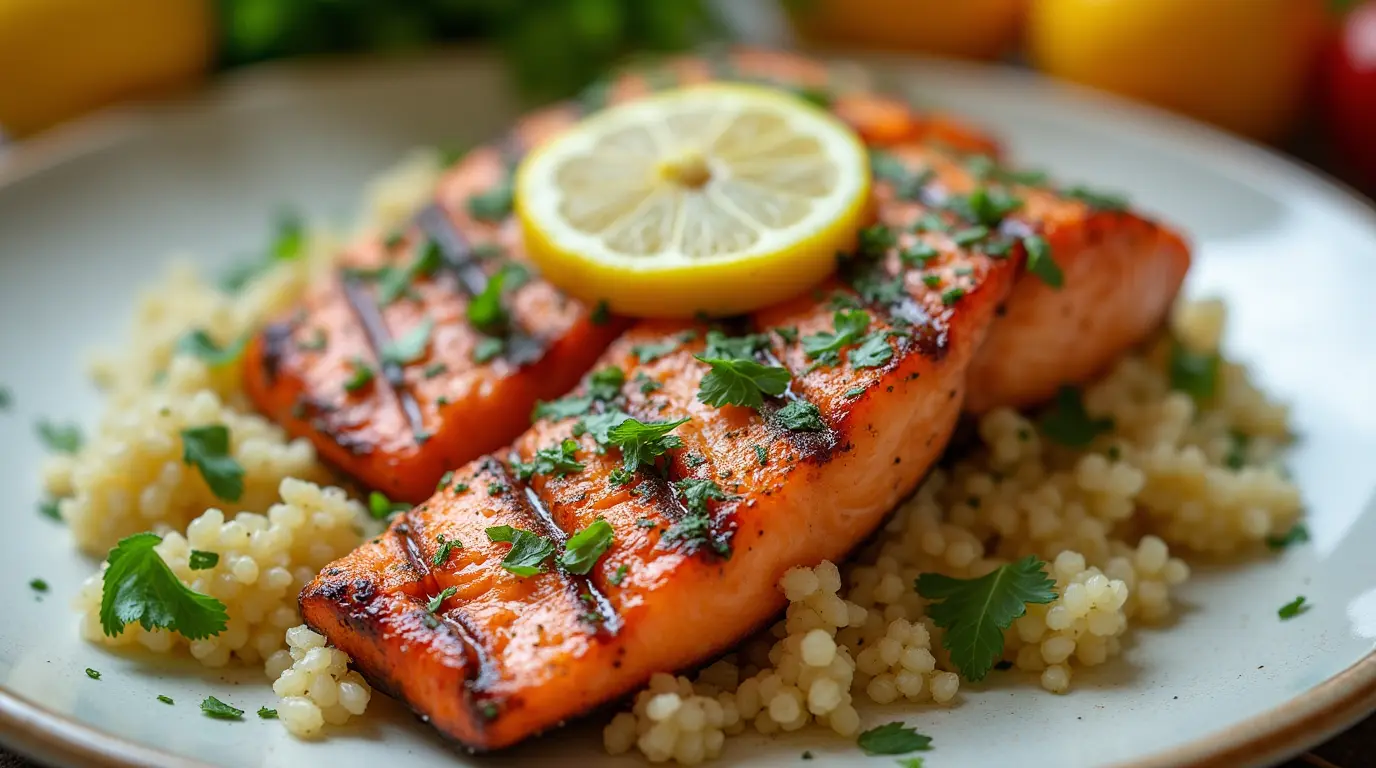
(1351, 93)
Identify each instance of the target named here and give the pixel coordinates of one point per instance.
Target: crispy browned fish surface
(702, 535)
(397, 424)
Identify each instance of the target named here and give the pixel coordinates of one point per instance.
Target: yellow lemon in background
(972, 29)
(1241, 64)
(59, 58)
(716, 198)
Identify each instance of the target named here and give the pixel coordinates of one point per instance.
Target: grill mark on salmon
(375, 330)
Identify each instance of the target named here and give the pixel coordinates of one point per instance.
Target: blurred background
(1300, 74)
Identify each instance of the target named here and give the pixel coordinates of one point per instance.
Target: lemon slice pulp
(715, 198)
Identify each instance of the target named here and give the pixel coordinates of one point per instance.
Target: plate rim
(1339, 701)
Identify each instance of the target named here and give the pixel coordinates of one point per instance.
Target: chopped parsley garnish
(166, 699)
(800, 416)
(917, 254)
(740, 382)
(201, 560)
(435, 369)
(437, 601)
(1298, 534)
(409, 347)
(873, 352)
(789, 333)
(198, 344)
(38, 585)
(877, 286)
(267, 714)
(720, 345)
(854, 392)
(486, 311)
(207, 448)
(289, 241)
(394, 281)
(583, 549)
(986, 206)
(601, 313)
(893, 739)
(1099, 201)
(315, 342)
(94, 675)
(910, 762)
(488, 349)
(528, 550)
(563, 408)
(6, 399)
(1067, 422)
(492, 206)
(694, 531)
(497, 489)
(605, 383)
(646, 384)
(139, 587)
(641, 443)
(49, 508)
(599, 425)
(930, 222)
(814, 96)
(460, 487)
(694, 460)
(697, 492)
(975, 612)
(554, 460)
(1236, 457)
(907, 185)
(650, 352)
(931, 281)
(876, 239)
(951, 295)
(970, 235)
(825, 346)
(213, 707)
(361, 377)
(62, 438)
(381, 507)
(1194, 373)
(445, 548)
(761, 455)
(1040, 262)
(645, 522)
(1293, 608)
(619, 576)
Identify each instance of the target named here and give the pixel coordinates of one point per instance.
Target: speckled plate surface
(91, 213)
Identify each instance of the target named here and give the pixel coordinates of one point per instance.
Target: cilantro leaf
(1068, 423)
(486, 311)
(1040, 262)
(873, 352)
(203, 561)
(1298, 534)
(740, 382)
(563, 408)
(800, 416)
(410, 346)
(1194, 373)
(975, 612)
(1293, 608)
(138, 586)
(600, 425)
(554, 460)
(197, 343)
(213, 707)
(63, 438)
(207, 448)
(583, 549)
(528, 550)
(893, 739)
(849, 326)
(641, 442)
(381, 507)
(437, 602)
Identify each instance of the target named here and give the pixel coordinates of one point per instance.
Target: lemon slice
(717, 198)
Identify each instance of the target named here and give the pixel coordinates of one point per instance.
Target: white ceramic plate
(89, 215)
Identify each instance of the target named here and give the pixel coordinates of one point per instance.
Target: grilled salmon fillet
(701, 534)
(336, 369)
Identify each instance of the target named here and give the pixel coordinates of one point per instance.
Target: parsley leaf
(873, 352)
(876, 239)
(800, 416)
(93, 674)
(1193, 372)
(38, 585)
(138, 586)
(1068, 423)
(719, 345)
(788, 333)
(213, 707)
(600, 425)
(893, 739)
(528, 550)
(267, 714)
(437, 602)
(1040, 263)
(601, 313)
(740, 382)
(393, 281)
(207, 448)
(487, 349)
(203, 561)
(910, 762)
(970, 236)
(584, 548)
(288, 243)
(975, 612)
(605, 384)
(49, 508)
(697, 492)
(563, 408)
(554, 460)
(485, 311)
(1298, 534)
(1293, 608)
(409, 347)
(620, 575)
(849, 326)
(986, 206)
(1099, 201)
(650, 352)
(166, 699)
(641, 442)
(361, 377)
(493, 205)
(63, 438)
(445, 548)
(6, 398)
(918, 254)
(692, 532)
(197, 343)
(381, 507)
